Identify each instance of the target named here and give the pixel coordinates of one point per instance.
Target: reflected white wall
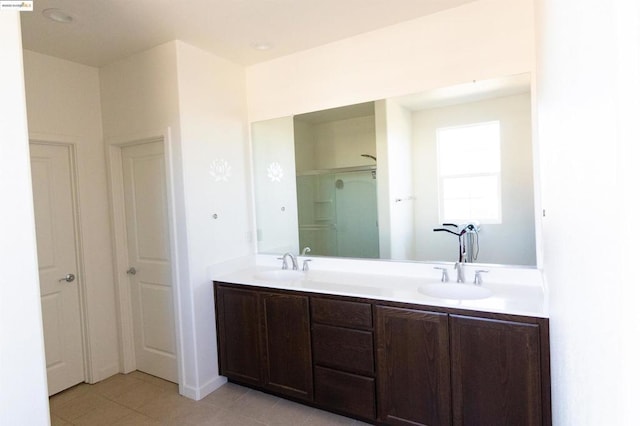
(398, 151)
(274, 169)
(511, 242)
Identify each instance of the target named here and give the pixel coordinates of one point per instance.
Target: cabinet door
(237, 313)
(413, 367)
(345, 392)
(287, 345)
(495, 372)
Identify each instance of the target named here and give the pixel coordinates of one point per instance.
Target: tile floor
(141, 399)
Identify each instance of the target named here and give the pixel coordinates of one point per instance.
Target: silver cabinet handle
(132, 271)
(68, 278)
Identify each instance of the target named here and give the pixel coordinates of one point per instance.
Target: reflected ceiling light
(57, 15)
(262, 45)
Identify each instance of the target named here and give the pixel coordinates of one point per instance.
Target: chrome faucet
(477, 279)
(294, 261)
(460, 270)
(305, 251)
(445, 274)
(305, 265)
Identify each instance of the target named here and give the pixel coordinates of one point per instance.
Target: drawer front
(345, 392)
(343, 348)
(341, 313)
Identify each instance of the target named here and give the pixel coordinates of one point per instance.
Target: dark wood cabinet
(342, 313)
(264, 340)
(287, 345)
(238, 317)
(345, 392)
(343, 356)
(496, 372)
(343, 348)
(413, 367)
(384, 362)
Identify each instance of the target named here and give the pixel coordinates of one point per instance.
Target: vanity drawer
(345, 392)
(341, 312)
(343, 348)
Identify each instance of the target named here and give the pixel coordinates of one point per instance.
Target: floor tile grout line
(276, 409)
(95, 392)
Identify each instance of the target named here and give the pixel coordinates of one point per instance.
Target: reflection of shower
(373, 172)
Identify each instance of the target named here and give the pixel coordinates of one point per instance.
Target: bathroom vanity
(371, 347)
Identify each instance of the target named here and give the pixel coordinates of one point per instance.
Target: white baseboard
(204, 390)
(104, 373)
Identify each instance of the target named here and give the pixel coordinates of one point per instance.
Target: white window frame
(442, 178)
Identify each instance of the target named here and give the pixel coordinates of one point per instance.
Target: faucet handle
(445, 274)
(284, 262)
(305, 265)
(477, 278)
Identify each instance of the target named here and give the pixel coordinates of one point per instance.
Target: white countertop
(517, 292)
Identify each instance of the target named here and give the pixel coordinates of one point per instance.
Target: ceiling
(434, 98)
(341, 113)
(103, 31)
(467, 92)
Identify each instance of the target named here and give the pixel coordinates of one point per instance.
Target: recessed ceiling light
(57, 15)
(262, 45)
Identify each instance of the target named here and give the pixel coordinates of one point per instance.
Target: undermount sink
(455, 291)
(280, 275)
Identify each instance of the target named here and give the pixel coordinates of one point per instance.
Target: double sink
(439, 290)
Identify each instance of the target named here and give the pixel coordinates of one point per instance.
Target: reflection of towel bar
(317, 227)
(336, 170)
(408, 198)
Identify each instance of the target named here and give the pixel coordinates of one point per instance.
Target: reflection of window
(469, 173)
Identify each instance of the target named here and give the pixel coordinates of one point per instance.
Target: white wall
(510, 242)
(398, 150)
(305, 145)
(213, 128)
(480, 40)
(382, 180)
(200, 98)
(63, 105)
(275, 188)
(588, 102)
(340, 143)
(140, 100)
(23, 389)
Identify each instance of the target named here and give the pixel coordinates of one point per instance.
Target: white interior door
(149, 260)
(57, 262)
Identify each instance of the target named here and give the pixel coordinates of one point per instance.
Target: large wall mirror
(375, 180)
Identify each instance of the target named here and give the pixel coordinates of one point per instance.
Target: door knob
(68, 278)
(131, 271)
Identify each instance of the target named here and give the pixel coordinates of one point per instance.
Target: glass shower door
(338, 213)
(357, 215)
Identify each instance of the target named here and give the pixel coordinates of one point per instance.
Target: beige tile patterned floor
(141, 399)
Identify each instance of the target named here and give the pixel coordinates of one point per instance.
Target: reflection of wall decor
(275, 172)
(220, 170)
